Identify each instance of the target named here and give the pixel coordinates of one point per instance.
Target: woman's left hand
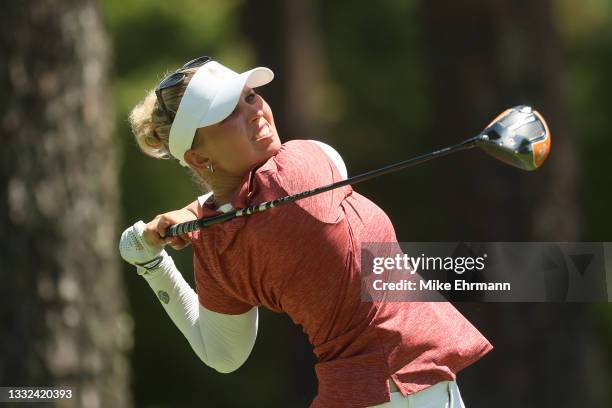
(156, 229)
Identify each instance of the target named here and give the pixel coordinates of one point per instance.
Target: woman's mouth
(263, 132)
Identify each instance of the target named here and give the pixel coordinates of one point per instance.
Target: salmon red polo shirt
(304, 259)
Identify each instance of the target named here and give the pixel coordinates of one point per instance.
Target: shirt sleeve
(303, 165)
(334, 157)
(214, 295)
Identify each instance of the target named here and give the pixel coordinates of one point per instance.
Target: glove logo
(163, 297)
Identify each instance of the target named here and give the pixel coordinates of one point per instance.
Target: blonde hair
(151, 125)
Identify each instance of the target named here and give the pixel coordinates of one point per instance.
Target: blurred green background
(379, 81)
(382, 82)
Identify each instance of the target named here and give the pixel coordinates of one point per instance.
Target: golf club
(519, 137)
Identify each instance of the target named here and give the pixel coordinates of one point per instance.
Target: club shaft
(183, 228)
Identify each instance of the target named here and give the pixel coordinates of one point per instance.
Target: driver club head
(519, 137)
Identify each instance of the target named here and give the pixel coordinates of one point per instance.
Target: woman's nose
(255, 112)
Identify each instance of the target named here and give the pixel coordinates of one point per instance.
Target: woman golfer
(302, 259)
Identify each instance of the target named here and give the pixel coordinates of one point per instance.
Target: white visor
(211, 95)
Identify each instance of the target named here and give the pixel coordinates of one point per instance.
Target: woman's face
(246, 138)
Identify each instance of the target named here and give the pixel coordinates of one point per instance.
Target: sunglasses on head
(175, 79)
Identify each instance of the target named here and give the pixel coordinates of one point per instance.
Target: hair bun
(151, 127)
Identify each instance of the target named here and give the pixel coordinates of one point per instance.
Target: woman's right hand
(155, 230)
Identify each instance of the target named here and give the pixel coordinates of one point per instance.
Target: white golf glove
(135, 250)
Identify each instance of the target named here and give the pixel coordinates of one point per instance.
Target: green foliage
(587, 40)
(374, 62)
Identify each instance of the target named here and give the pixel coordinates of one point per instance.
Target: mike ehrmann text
(438, 285)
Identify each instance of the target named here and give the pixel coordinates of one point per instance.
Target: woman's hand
(155, 230)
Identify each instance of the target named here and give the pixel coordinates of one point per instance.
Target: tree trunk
(64, 320)
(485, 57)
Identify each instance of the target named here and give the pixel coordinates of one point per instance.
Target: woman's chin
(271, 145)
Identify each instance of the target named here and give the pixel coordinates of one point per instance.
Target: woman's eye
(250, 97)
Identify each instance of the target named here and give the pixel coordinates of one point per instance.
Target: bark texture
(64, 320)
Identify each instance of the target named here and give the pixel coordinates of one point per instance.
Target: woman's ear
(196, 160)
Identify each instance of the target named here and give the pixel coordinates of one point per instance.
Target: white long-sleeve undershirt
(221, 341)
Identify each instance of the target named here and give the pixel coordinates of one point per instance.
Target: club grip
(182, 228)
